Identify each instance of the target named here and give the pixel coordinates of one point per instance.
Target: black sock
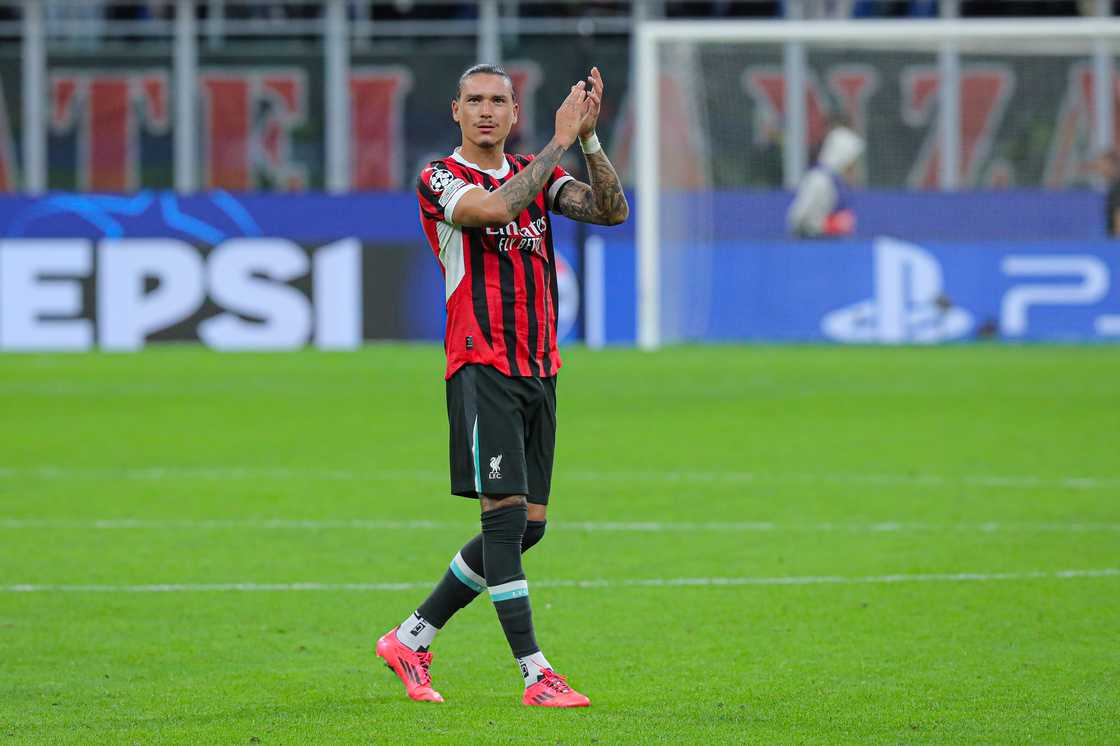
(502, 532)
(463, 581)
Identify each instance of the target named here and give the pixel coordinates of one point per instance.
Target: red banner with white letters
(261, 126)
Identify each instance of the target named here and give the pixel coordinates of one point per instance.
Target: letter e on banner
(37, 305)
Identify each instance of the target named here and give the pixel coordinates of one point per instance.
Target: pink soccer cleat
(553, 691)
(409, 666)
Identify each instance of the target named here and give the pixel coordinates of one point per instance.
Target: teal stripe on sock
(515, 593)
(465, 580)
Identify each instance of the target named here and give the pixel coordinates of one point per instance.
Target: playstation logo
(910, 304)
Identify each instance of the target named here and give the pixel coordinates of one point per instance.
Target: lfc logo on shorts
(496, 467)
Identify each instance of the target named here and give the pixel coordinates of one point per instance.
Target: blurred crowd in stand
(375, 10)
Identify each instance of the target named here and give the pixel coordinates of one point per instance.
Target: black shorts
(503, 433)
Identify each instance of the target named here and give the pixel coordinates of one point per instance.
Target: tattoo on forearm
(577, 202)
(609, 199)
(523, 188)
(602, 202)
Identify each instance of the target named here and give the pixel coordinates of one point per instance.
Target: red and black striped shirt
(501, 290)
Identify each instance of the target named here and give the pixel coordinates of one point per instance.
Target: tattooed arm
(603, 201)
(502, 206)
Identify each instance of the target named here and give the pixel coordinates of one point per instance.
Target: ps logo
(904, 308)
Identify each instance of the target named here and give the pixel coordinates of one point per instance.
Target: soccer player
(486, 215)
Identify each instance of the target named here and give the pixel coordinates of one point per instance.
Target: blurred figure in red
(822, 205)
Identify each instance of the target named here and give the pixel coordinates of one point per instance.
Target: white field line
(289, 524)
(157, 473)
(963, 577)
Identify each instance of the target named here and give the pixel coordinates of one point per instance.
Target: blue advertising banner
(392, 216)
(235, 272)
(282, 272)
(889, 291)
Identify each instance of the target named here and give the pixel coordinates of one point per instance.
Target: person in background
(1107, 165)
(821, 207)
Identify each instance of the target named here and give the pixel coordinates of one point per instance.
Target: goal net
(722, 138)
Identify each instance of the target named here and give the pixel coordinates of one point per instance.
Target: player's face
(485, 110)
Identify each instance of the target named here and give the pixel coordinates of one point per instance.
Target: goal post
(676, 221)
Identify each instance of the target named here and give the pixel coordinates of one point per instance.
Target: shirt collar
(497, 173)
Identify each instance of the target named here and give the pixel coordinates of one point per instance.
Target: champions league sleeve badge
(440, 179)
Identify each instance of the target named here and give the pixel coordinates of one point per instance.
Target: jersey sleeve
(439, 191)
(559, 178)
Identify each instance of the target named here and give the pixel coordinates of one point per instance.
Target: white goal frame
(1098, 33)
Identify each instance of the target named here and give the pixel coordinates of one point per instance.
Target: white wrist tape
(591, 144)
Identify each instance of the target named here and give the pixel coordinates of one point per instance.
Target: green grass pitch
(746, 545)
